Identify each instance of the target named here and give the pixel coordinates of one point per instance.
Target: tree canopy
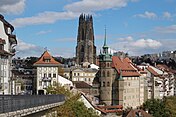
(161, 108)
(72, 107)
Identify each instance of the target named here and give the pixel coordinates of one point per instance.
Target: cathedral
(85, 49)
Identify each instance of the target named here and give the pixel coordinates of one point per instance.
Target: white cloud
(44, 18)
(146, 43)
(129, 38)
(25, 49)
(167, 15)
(12, 6)
(95, 5)
(149, 15)
(43, 32)
(137, 47)
(168, 29)
(71, 11)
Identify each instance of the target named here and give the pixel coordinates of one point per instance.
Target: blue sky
(134, 26)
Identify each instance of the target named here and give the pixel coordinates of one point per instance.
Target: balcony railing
(47, 79)
(10, 103)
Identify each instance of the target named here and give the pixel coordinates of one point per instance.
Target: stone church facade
(85, 49)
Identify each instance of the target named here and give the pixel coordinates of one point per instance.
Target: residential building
(80, 74)
(160, 82)
(7, 43)
(47, 73)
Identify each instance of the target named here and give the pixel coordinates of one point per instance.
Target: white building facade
(7, 43)
(47, 73)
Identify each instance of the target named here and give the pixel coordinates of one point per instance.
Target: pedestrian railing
(10, 103)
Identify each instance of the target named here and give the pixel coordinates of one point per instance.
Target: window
(82, 48)
(44, 75)
(129, 84)
(45, 83)
(54, 83)
(108, 64)
(108, 84)
(1, 47)
(108, 74)
(40, 83)
(103, 73)
(78, 74)
(49, 75)
(47, 60)
(54, 75)
(103, 84)
(74, 74)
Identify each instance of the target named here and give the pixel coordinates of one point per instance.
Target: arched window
(108, 64)
(108, 84)
(103, 73)
(108, 74)
(82, 48)
(103, 84)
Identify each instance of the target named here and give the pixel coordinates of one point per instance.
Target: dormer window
(46, 59)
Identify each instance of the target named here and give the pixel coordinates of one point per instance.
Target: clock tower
(106, 74)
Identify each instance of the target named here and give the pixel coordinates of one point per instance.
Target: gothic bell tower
(85, 49)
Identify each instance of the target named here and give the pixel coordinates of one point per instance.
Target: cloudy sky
(134, 26)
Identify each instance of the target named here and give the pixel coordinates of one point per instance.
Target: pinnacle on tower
(105, 38)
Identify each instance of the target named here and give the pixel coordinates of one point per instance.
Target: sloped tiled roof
(152, 71)
(134, 113)
(124, 64)
(45, 56)
(165, 68)
(81, 84)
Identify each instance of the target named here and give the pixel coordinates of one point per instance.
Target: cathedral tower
(85, 49)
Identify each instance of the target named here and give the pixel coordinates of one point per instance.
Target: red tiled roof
(166, 68)
(110, 109)
(45, 56)
(124, 64)
(152, 71)
(133, 113)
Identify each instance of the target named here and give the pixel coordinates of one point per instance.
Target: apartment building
(47, 73)
(7, 43)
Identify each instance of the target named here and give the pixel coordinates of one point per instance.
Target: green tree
(72, 106)
(170, 104)
(156, 107)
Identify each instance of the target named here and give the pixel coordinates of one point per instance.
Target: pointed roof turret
(105, 38)
(105, 56)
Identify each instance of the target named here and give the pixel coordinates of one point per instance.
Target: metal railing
(10, 103)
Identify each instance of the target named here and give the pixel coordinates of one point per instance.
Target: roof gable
(46, 58)
(124, 65)
(152, 71)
